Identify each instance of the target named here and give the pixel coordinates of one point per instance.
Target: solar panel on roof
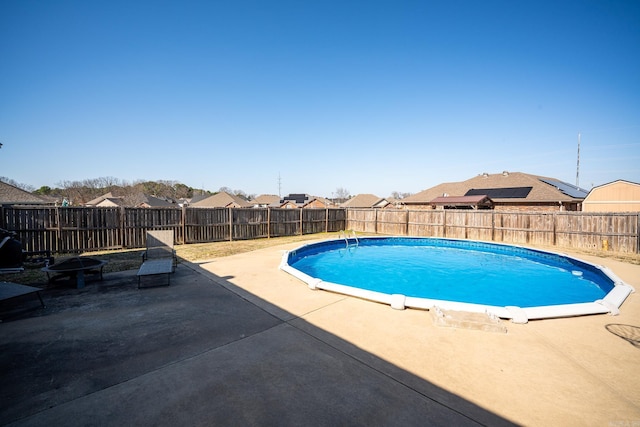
(501, 193)
(568, 189)
(297, 198)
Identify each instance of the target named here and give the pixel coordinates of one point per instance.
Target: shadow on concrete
(198, 353)
(629, 333)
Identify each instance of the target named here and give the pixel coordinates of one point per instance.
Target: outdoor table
(76, 267)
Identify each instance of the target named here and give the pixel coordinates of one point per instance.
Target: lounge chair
(10, 290)
(159, 256)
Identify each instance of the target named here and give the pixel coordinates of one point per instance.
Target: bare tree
(25, 187)
(342, 194)
(397, 195)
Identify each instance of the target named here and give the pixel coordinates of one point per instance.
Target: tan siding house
(617, 196)
(222, 200)
(365, 201)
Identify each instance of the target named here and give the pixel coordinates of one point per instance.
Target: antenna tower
(279, 185)
(578, 164)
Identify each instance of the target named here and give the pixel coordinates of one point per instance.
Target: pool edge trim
(609, 304)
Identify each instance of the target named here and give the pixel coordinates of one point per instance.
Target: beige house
(265, 200)
(106, 200)
(222, 200)
(138, 200)
(617, 196)
(365, 201)
(506, 191)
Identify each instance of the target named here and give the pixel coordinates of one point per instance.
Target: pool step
(467, 320)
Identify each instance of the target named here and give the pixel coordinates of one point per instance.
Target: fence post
(301, 223)
(58, 229)
(121, 231)
(554, 229)
(230, 224)
(268, 222)
(183, 224)
(493, 226)
(444, 223)
(375, 223)
(326, 220)
(406, 223)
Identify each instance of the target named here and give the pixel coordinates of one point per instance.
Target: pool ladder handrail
(345, 235)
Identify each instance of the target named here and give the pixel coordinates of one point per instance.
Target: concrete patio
(235, 341)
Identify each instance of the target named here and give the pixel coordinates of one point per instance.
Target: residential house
(265, 200)
(505, 191)
(617, 196)
(462, 202)
(138, 200)
(298, 200)
(222, 200)
(106, 200)
(318, 203)
(12, 195)
(366, 201)
(154, 202)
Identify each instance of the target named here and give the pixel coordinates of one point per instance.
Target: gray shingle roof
(540, 190)
(11, 195)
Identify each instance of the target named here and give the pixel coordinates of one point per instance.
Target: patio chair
(159, 256)
(9, 291)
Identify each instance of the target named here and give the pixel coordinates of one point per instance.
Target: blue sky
(369, 96)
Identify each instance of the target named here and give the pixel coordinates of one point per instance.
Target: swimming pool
(510, 282)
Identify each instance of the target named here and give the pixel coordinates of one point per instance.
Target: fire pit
(75, 267)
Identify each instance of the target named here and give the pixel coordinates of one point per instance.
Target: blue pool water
(454, 270)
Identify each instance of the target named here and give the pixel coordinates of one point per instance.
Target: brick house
(506, 191)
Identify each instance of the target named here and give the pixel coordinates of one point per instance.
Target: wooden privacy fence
(615, 232)
(79, 229)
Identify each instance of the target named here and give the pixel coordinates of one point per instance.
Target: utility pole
(578, 164)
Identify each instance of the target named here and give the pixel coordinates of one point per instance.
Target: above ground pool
(510, 282)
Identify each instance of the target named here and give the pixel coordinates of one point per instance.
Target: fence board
(617, 232)
(206, 225)
(393, 222)
(426, 223)
(74, 229)
(250, 224)
(284, 222)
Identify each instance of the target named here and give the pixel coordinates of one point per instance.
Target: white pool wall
(610, 304)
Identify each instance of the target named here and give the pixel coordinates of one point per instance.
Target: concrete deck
(235, 341)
